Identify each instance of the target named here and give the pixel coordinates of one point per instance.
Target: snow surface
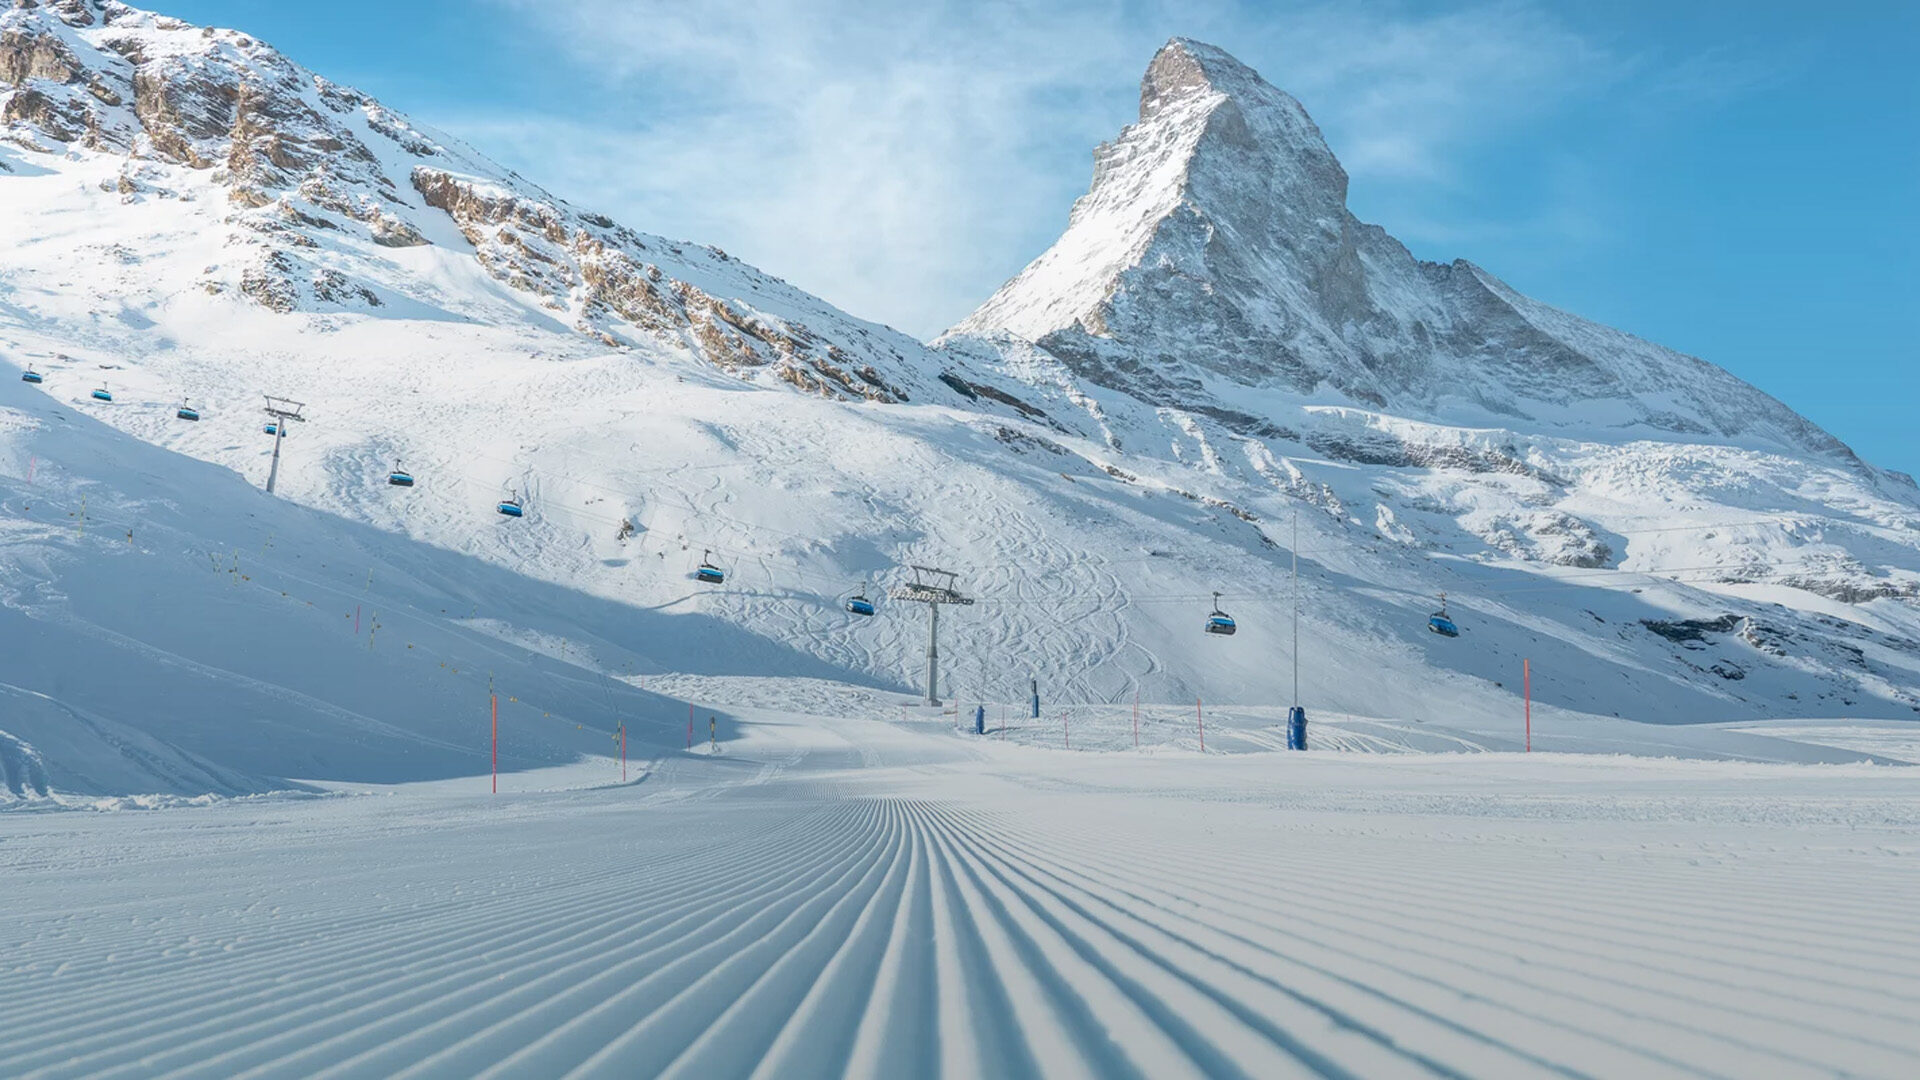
(847, 895)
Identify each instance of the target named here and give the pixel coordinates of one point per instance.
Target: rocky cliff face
(1214, 250)
(311, 171)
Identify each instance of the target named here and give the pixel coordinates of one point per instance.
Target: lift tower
(282, 410)
(926, 588)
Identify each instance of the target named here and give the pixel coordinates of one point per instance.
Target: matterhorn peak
(1186, 70)
(1184, 67)
(1246, 114)
(1215, 248)
(1217, 150)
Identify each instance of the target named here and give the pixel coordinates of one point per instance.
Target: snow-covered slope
(169, 629)
(186, 214)
(836, 896)
(323, 200)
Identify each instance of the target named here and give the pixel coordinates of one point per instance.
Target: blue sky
(1737, 180)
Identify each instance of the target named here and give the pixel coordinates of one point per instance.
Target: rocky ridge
(306, 165)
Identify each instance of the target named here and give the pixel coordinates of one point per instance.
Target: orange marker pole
(495, 700)
(689, 725)
(1136, 718)
(623, 753)
(1201, 719)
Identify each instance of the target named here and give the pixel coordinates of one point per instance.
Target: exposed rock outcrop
(305, 164)
(586, 264)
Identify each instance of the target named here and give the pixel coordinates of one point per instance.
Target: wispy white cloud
(1403, 92)
(888, 157)
(902, 161)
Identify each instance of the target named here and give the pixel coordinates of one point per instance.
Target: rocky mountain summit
(1214, 253)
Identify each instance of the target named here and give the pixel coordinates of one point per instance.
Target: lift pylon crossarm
(923, 589)
(285, 408)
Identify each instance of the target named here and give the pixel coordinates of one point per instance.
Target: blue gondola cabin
(1219, 622)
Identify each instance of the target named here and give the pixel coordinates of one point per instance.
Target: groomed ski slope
(840, 894)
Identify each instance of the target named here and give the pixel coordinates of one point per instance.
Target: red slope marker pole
(1526, 677)
(494, 699)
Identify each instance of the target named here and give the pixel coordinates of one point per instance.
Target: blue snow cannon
(1296, 728)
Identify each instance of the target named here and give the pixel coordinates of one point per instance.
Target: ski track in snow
(850, 897)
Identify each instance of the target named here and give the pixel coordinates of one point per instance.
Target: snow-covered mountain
(1213, 300)
(1215, 251)
(324, 198)
(1213, 352)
